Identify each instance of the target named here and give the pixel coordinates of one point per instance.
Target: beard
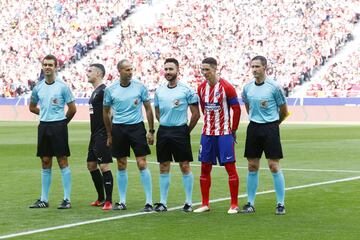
(171, 78)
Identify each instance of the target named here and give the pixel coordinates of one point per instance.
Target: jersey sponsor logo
(212, 107)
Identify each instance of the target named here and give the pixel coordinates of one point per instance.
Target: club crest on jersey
(217, 94)
(264, 103)
(176, 102)
(136, 102)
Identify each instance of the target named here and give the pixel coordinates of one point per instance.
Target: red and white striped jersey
(215, 104)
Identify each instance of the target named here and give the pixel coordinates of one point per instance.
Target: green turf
(322, 212)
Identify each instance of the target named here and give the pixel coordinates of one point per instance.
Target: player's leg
(188, 182)
(95, 175)
(227, 159)
(164, 157)
(46, 164)
(207, 156)
(164, 183)
(108, 183)
(121, 150)
(273, 152)
(98, 183)
(138, 142)
(180, 145)
(183, 154)
(66, 181)
(252, 179)
(122, 182)
(253, 152)
(46, 176)
(279, 185)
(103, 156)
(60, 146)
(233, 186)
(146, 181)
(205, 184)
(44, 151)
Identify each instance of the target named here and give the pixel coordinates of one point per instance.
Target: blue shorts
(213, 148)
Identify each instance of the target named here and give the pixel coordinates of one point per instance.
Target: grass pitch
(313, 154)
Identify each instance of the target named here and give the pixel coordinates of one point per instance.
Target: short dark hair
(209, 60)
(121, 63)
(99, 66)
(261, 58)
(50, 57)
(172, 60)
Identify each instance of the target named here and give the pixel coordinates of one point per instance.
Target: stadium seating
(297, 37)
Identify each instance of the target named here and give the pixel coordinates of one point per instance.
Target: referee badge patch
(176, 103)
(264, 103)
(54, 101)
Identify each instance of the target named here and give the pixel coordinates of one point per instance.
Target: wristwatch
(152, 131)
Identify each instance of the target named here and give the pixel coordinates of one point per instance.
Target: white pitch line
(285, 169)
(170, 209)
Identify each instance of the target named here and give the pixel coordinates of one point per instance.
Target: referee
(51, 95)
(172, 101)
(266, 105)
(123, 118)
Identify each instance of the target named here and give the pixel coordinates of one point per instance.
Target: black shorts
(125, 136)
(53, 139)
(173, 142)
(98, 151)
(263, 138)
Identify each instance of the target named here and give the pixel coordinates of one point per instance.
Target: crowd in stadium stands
(31, 29)
(297, 37)
(341, 80)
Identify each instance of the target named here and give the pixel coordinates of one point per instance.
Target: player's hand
(234, 136)
(150, 138)
(109, 141)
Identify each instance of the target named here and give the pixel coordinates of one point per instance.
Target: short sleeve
(68, 96)
(107, 98)
(280, 96)
(156, 99)
(192, 97)
(144, 94)
(34, 96)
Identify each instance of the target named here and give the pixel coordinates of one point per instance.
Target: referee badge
(176, 102)
(264, 103)
(54, 101)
